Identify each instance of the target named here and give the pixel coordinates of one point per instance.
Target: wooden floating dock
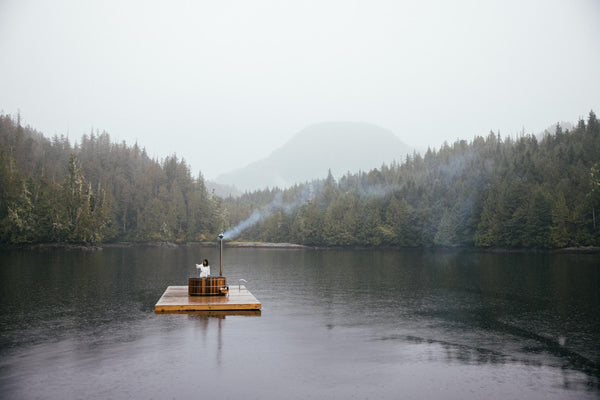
(176, 299)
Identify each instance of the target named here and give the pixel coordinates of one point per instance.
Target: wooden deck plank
(176, 298)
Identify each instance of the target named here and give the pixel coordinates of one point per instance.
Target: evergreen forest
(490, 192)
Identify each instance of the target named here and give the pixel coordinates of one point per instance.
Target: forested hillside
(97, 191)
(489, 192)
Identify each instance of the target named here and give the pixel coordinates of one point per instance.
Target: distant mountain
(339, 146)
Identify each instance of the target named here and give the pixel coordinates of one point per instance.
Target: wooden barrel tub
(211, 286)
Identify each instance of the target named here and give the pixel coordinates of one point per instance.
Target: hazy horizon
(225, 84)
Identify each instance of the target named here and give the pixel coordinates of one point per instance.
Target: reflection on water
(205, 315)
(335, 323)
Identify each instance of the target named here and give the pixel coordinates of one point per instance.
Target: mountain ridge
(339, 146)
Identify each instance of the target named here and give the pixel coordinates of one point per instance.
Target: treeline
(97, 191)
(489, 192)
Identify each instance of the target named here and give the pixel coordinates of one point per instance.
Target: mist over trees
(488, 192)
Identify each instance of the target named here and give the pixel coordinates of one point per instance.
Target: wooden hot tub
(211, 286)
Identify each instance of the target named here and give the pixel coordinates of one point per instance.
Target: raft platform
(176, 299)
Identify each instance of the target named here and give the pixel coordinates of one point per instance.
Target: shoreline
(168, 245)
(269, 245)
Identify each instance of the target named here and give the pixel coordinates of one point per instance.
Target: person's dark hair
(206, 261)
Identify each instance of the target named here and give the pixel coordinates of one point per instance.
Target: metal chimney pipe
(221, 255)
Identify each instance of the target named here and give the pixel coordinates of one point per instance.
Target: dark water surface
(342, 324)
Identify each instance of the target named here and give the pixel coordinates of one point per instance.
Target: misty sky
(224, 83)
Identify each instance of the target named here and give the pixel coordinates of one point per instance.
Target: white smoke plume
(277, 204)
(308, 193)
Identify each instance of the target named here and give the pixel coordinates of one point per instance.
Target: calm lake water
(411, 324)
